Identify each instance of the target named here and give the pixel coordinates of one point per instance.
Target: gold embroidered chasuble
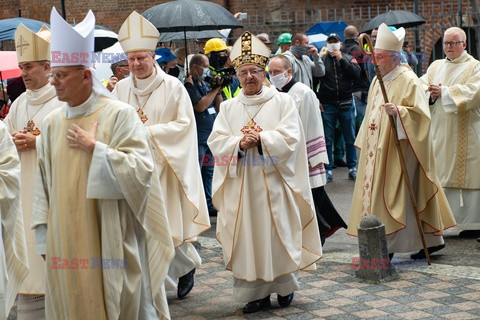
(107, 229)
(380, 188)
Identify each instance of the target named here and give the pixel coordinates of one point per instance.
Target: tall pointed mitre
(138, 34)
(72, 46)
(388, 39)
(32, 46)
(248, 49)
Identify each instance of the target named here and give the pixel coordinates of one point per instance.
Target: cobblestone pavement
(332, 292)
(448, 289)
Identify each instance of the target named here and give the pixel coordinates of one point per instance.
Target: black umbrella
(190, 15)
(394, 18)
(190, 35)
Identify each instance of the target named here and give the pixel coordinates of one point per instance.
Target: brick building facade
(276, 16)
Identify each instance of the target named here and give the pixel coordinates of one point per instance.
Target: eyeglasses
(60, 75)
(253, 73)
(451, 43)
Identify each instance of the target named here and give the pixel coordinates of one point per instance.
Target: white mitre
(31, 46)
(138, 34)
(72, 46)
(388, 39)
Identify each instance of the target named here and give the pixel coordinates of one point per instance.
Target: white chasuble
(13, 250)
(166, 108)
(266, 221)
(27, 113)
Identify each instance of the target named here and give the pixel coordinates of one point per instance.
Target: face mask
(299, 50)
(205, 73)
(333, 46)
(280, 80)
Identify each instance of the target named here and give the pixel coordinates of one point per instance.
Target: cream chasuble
(308, 107)
(456, 134)
(27, 113)
(122, 235)
(266, 221)
(165, 107)
(13, 249)
(380, 188)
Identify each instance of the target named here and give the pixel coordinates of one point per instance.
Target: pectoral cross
(251, 125)
(143, 116)
(31, 128)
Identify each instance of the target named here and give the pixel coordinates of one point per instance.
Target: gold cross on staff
(143, 116)
(251, 125)
(21, 45)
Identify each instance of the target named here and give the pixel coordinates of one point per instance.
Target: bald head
(350, 32)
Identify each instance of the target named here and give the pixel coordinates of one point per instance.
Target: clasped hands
(24, 140)
(251, 139)
(435, 90)
(82, 139)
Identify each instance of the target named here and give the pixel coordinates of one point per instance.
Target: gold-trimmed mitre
(389, 40)
(138, 34)
(31, 46)
(248, 49)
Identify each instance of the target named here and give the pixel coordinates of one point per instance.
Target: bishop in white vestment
(266, 218)
(24, 122)
(163, 105)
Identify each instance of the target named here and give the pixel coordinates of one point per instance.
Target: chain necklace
(143, 117)
(30, 124)
(251, 125)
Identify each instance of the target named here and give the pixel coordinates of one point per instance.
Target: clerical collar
(143, 83)
(460, 57)
(289, 85)
(83, 108)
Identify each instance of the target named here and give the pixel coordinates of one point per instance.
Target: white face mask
(205, 73)
(280, 80)
(333, 46)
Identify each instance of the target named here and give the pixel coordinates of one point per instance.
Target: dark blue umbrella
(9, 26)
(318, 34)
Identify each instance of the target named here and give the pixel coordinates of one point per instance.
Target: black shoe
(421, 254)
(478, 239)
(390, 256)
(285, 301)
(257, 305)
(340, 163)
(185, 284)
(469, 233)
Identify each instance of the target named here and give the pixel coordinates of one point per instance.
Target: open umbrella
(394, 18)
(190, 35)
(317, 35)
(104, 38)
(9, 67)
(190, 15)
(9, 26)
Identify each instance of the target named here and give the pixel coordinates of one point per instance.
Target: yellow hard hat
(215, 45)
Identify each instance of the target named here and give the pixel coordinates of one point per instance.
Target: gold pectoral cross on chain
(32, 128)
(251, 125)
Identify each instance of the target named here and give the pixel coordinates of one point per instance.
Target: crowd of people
(118, 179)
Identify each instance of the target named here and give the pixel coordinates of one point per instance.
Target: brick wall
(276, 15)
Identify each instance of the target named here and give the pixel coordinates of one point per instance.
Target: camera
(224, 73)
(242, 16)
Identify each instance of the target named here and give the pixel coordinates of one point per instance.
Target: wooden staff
(366, 38)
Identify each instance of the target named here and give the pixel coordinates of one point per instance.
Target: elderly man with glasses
(266, 216)
(454, 90)
(97, 223)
